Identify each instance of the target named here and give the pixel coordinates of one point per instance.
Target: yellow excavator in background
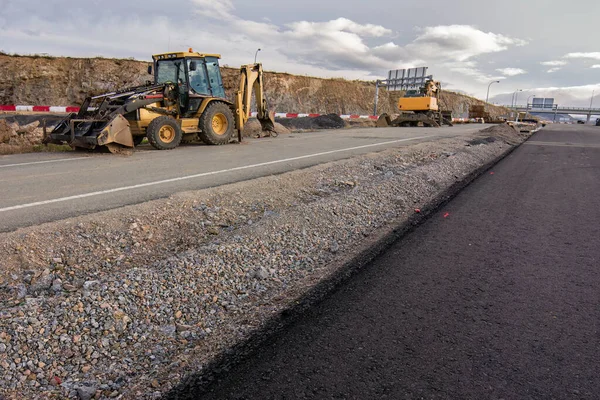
(419, 107)
(185, 101)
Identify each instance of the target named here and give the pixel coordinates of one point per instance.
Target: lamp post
(488, 91)
(256, 54)
(527, 107)
(514, 98)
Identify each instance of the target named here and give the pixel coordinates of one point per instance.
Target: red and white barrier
(55, 109)
(39, 108)
(297, 115)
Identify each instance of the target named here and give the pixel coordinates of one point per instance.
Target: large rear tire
(164, 133)
(217, 124)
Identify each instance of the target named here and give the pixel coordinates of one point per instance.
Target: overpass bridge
(556, 109)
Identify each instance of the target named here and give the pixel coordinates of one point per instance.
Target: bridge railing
(554, 107)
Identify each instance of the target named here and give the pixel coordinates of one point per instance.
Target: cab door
(214, 77)
(198, 77)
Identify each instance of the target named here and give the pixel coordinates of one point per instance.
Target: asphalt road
(497, 296)
(42, 187)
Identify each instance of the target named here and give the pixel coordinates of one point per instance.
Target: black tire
(137, 140)
(164, 133)
(217, 124)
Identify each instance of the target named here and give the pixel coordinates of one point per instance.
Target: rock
(6, 131)
(43, 282)
(19, 291)
(168, 330)
(261, 273)
(335, 247)
(86, 392)
(57, 285)
(89, 287)
(388, 174)
(2, 347)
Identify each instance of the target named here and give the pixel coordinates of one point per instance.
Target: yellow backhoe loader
(185, 101)
(419, 107)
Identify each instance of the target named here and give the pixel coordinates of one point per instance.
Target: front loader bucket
(89, 133)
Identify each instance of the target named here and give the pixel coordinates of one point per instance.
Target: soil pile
(329, 121)
(253, 129)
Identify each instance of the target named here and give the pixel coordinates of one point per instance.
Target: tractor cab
(196, 76)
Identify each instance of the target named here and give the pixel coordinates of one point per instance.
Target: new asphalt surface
(496, 296)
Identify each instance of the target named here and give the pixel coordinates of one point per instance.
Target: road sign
(406, 79)
(542, 102)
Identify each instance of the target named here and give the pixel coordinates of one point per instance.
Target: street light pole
(516, 95)
(488, 91)
(527, 107)
(589, 116)
(256, 54)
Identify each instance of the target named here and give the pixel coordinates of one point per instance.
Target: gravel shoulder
(127, 302)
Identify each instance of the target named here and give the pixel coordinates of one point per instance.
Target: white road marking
(182, 178)
(43, 162)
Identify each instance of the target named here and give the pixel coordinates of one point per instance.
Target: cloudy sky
(548, 48)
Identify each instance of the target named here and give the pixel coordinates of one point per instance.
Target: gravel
(127, 302)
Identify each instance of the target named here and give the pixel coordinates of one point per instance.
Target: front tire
(164, 133)
(217, 124)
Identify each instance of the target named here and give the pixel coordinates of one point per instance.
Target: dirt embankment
(63, 81)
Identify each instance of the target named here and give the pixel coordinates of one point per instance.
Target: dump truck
(419, 107)
(185, 101)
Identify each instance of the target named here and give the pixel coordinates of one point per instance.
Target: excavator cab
(197, 77)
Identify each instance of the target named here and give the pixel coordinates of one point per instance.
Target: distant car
(598, 122)
(581, 122)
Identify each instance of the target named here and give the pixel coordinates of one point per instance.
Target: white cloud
(339, 25)
(327, 48)
(595, 66)
(511, 71)
(592, 55)
(221, 9)
(552, 70)
(460, 42)
(568, 96)
(556, 63)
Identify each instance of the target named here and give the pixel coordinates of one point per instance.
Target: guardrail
(554, 108)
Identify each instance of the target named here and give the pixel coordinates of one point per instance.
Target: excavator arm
(251, 82)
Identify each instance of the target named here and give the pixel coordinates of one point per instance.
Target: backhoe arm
(251, 80)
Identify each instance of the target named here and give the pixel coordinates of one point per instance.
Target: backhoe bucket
(267, 123)
(384, 121)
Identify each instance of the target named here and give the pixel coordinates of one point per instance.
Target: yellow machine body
(418, 104)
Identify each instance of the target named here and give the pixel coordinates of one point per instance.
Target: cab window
(214, 77)
(198, 78)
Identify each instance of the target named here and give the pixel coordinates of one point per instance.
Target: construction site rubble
(15, 138)
(125, 303)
